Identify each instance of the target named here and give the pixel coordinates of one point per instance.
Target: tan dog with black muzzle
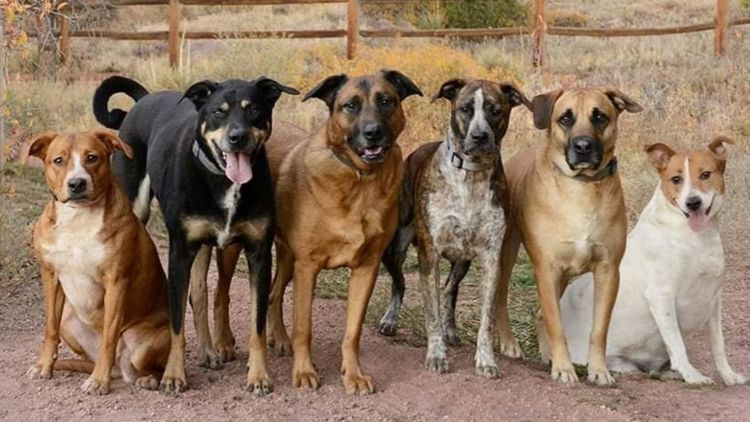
(566, 206)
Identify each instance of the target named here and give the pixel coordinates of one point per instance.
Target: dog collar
(349, 163)
(205, 160)
(460, 163)
(604, 172)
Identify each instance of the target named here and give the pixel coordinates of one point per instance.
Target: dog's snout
(372, 132)
(583, 145)
(236, 136)
(693, 203)
(480, 137)
(77, 185)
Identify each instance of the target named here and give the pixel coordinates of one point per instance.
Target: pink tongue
(698, 222)
(238, 167)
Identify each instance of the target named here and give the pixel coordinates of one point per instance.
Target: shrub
(437, 14)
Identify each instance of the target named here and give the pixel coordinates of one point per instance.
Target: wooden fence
(538, 29)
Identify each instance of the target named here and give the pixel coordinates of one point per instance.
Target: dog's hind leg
(142, 203)
(278, 338)
(449, 298)
(508, 255)
(207, 356)
(393, 260)
(224, 341)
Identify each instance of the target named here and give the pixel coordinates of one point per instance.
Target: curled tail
(109, 87)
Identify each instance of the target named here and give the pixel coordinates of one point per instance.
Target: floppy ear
(272, 89)
(404, 86)
(659, 155)
(199, 92)
(622, 101)
(449, 89)
(113, 142)
(327, 89)
(515, 96)
(542, 106)
(717, 146)
(40, 144)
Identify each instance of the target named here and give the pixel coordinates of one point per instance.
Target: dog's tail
(109, 87)
(74, 365)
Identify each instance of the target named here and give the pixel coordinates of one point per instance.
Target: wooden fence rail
(538, 29)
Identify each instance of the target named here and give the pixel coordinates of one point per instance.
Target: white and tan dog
(671, 274)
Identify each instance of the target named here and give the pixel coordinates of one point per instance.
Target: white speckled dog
(452, 201)
(671, 274)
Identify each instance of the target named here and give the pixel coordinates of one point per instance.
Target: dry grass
(688, 96)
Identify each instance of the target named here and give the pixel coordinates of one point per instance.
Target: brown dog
(567, 207)
(105, 292)
(337, 206)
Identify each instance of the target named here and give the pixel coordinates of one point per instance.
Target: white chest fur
(76, 254)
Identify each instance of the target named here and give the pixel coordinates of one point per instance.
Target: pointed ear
(449, 89)
(718, 148)
(659, 155)
(272, 89)
(40, 144)
(515, 96)
(622, 101)
(199, 92)
(327, 89)
(404, 86)
(113, 142)
(542, 106)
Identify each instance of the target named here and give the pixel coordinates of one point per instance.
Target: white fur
(142, 204)
(671, 281)
(78, 171)
(478, 121)
(231, 199)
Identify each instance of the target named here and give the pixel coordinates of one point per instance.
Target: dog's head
(693, 181)
(480, 112)
(76, 165)
(235, 119)
(366, 116)
(582, 126)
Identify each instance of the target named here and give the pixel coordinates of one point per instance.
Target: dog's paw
(438, 364)
(358, 384)
(95, 386)
(511, 349)
(565, 374)
(488, 371)
(258, 383)
(211, 360)
(225, 351)
(733, 378)
(280, 344)
(173, 384)
(387, 327)
(305, 376)
(452, 338)
(39, 372)
(696, 378)
(602, 378)
(147, 382)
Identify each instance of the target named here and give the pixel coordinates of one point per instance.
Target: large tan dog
(337, 206)
(105, 292)
(567, 207)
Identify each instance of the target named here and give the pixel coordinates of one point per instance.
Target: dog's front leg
(207, 356)
(449, 298)
(485, 354)
(549, 284)
(181, 258)
(54, 300)
(304, 374)
(429, 284)
(259, 267)
(717, 348)
(226, 261)
(114, 313)
(606, 284)
(360, 289)
(661, 302)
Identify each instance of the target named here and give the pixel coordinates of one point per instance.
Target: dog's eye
(219, 112)
(58, 161)
(566, 120)
(252, 110)
(350, 106)
(91, 158)
(496, 111)
(676, 180)
(468, 109)
(705, 175)
(600, 118)
(385, 101)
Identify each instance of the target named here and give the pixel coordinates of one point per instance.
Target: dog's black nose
(693, 203)
(236, 136)
(583, 145)
(77, 185)
(372, 132)
(480, 137)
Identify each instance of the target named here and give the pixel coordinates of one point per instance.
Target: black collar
(204, 159)
(602, 173)
(349, 163)
(461, 163)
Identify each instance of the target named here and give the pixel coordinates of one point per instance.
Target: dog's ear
(449, 89)
(272, 89)
(404, 86)
(718, 148)
(542, 106)
(113, 142)
(40, 144)
(622, 101)
(199, 92)
(515, 96)
(659, 155)
(327, 89)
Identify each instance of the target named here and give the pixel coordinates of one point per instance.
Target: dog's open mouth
(698, 220)
(237, 166)
(373, 154)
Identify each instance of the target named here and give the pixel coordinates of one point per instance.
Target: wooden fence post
(352, 28)
(2, 96)
(539, 28)
(64, 47)
(720, 33)
(173, 41)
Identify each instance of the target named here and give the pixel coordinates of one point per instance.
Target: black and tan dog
(337, 191)
(567, 207)
(201, 153)
(452, 204)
